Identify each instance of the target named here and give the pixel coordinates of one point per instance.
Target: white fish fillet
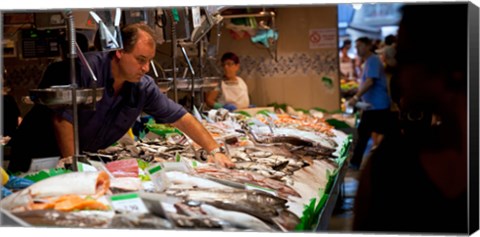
(126, 183)
(238, 219)
(95, 184)
(177, 177)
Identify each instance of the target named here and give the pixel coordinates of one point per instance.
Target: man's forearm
(64, 135)
(365, 87)
(195, 130)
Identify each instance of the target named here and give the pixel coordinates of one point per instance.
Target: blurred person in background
(416, 180)
(347, 64)
(232, 93)
(388, 53)
(373, 90)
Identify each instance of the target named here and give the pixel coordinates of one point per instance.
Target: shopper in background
(232, 94)
(372, 90)
(388, 53)
(416, 180)
(347, 64)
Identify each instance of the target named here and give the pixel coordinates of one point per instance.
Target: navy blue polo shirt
(114, 116)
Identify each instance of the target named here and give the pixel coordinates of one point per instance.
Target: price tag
(178, 158)
(258, 188)
(155, 169)
(82, 167)
(158, 177)
(176, 166)
(43, 163)
(128, 202)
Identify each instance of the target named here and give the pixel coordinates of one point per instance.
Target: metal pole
(174, 54)
(72, 55)
(200, 71)
(192, 72)
(260, 14)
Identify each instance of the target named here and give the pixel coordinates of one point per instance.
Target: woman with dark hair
(347, 64)
(416, 180)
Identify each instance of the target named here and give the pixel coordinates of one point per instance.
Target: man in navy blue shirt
(373, 90)
(128, 92)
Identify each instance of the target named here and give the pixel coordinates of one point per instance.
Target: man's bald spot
(131, 34)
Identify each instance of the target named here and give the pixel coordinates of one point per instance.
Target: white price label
(43, 163)
(82, 167)
(258, 188)
(128, 202)
(158, 177)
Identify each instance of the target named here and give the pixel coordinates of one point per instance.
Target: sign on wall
(322, 38)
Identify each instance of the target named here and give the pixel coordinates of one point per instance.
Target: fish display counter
(286, 177)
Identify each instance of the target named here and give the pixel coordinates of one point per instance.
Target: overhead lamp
(357, 6)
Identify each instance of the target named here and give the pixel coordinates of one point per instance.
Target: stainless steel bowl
(62, 96)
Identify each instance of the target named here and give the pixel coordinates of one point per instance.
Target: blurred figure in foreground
(416, 180)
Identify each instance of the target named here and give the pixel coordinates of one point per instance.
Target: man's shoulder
(147, 80)
(148, 84)
(97, 56)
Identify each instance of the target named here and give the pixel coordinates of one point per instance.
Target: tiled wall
(299, 75)
(316, 63)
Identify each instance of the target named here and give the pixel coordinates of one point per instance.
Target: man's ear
(119, 54)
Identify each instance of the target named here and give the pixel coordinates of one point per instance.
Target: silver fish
(256, 203)
(202, 222)
(53, 218)
(237, 219)
(137, 220)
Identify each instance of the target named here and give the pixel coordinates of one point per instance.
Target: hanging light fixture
(357, 6)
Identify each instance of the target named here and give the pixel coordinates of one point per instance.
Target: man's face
(134, 64)
(361, 49)
(230, 68)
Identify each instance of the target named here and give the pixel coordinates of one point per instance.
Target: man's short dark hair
(390, 39)
(230, 56)
(364, 40)
(130, 35)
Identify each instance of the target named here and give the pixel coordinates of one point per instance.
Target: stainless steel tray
(62, 96)
(165, 84)
(209, 83)
(186, 83)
